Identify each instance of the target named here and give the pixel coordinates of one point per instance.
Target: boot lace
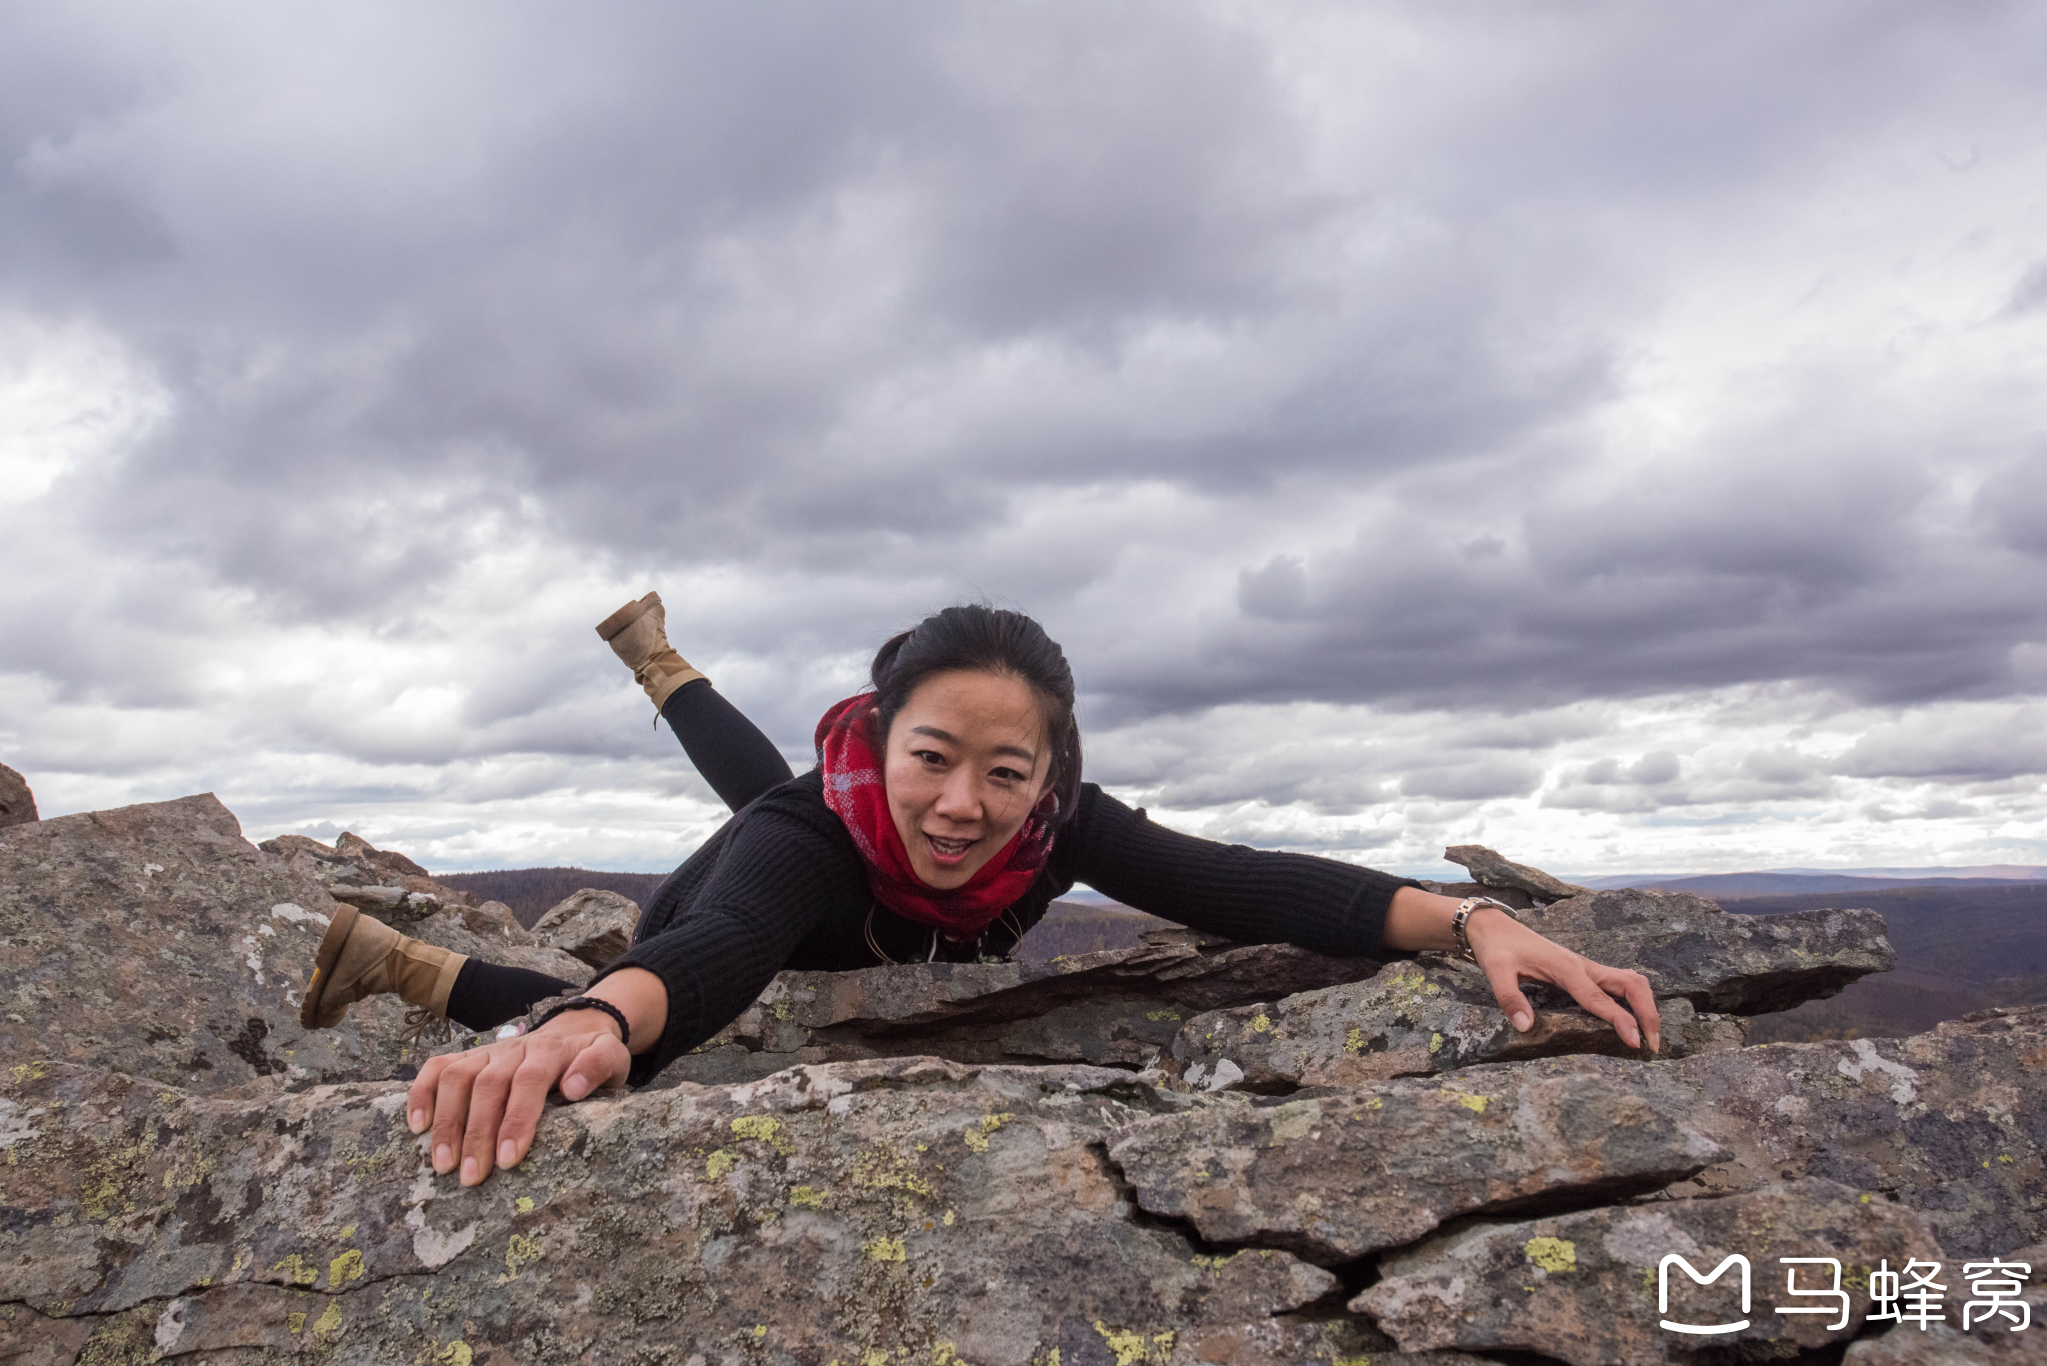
(422, 1026)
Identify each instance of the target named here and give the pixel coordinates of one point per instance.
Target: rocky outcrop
(1121, 1008)
(1041, 1196)
(1492, 871)
(155, 941)
(592, 925)
(1409, 1019)
(17, 803)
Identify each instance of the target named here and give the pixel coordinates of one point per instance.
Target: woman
(945, 814)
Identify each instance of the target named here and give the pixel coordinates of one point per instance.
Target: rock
(1335, 1177)
(1412, 1018)
(922, 1210)
(1120, 1007)
(360, 850)
(1489, 869)
(593, 925)
(386, 884)
(1737, 964)
(156, 941)
(17, 803)
(1584, 1287)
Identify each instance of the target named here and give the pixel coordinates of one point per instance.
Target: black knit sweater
(782, 886)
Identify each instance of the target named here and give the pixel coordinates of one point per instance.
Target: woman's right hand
(484, 1104)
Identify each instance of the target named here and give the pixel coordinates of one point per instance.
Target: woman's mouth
(947, 853)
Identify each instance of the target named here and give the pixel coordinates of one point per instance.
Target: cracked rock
(1413, 1018)
(17, 803)
(1337, 1176)
(1584, 1287)
(1121, 1007)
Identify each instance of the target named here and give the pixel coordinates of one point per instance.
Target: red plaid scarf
(854, 791)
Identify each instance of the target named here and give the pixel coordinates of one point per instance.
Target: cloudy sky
(1613, 433)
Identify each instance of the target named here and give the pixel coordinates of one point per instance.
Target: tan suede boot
(636, 633)
(362, 956)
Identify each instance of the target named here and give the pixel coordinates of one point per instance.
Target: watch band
(1463, 913)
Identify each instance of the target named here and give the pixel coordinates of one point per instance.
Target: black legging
(737, 761)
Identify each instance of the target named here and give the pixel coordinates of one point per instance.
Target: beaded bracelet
(625, 1031)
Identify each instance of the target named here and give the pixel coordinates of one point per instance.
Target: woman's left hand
(1509, 952)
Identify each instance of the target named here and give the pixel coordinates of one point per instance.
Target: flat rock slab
(1584, 1287)
(155, 940)
(1338, 1176)
(1490, 869)
(930, 1211)
(1731, 964)
(1409, 1019)
(1119, 1008)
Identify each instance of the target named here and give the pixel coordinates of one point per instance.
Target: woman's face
(965, 763)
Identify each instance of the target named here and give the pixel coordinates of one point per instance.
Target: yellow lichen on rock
(524, 1204)
(1260, 1022)
(1131, 1348)
(456, 1353)
(763, 1129)
(1354, 1041)
(295, 1322)
(296, 1270)
(1552, 1254)
(1475, 1104)
(976, 1135)
(343, 1269)
(719, 1162)
(884, 1250)
(329, 1322)
(521, 1251)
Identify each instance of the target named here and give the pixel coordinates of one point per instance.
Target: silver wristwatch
(1464, 910)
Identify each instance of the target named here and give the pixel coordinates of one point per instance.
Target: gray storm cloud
(1446, 368)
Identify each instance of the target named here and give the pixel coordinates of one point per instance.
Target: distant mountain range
(1795, 881)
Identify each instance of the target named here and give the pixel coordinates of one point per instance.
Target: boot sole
(627, 615)
(323, 963)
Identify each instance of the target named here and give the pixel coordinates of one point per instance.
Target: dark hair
(974, 638)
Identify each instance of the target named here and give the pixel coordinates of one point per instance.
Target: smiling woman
(945, 814)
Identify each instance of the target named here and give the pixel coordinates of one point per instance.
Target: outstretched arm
(1258, 896)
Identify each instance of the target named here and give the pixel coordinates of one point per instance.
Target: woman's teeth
(948, 848)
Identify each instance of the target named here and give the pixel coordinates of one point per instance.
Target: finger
(419, 1099)
(451, 1108)
(1506, 984)
(1641, 998)
(604, 1062)
(535, 1078)
(1589, 994)
(486, 1108)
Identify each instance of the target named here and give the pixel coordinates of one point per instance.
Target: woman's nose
(959, 799)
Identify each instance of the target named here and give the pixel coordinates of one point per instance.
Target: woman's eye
(931, 757)
(1008, 775)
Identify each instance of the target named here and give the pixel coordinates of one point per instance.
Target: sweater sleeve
(1252, 896)
(775, 880)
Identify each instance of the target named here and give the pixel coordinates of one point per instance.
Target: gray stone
(1335, 1177)
(156, 941)
(17, 803)
(1412, 1018)
(1584, 1287)
(911, 1208)
(1490, 870)
(1733, 964)
(592, 925)
(1121, 1007)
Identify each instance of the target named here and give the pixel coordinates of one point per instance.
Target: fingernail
(1523, 1021)
(444, 1158)
(468, 1171)
(575, 1087)
(418, 1121)
(508, 1153)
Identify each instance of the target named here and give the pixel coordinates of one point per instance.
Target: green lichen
(1435, 1044)
(456, 1353)
(884, 1250)
(763, 1129)
(883, 1168)
(718, 1163)
(1354, 1041)
(1475, 1104)
(1554, 1255)
(976, 1135)
(524, 1204)
(1131, 1349)
(329, 1322)
(1260, 1023)
(296, 1270)
(807, 1197)
(521, 1251)
(343, 1269)
(295, 1322)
